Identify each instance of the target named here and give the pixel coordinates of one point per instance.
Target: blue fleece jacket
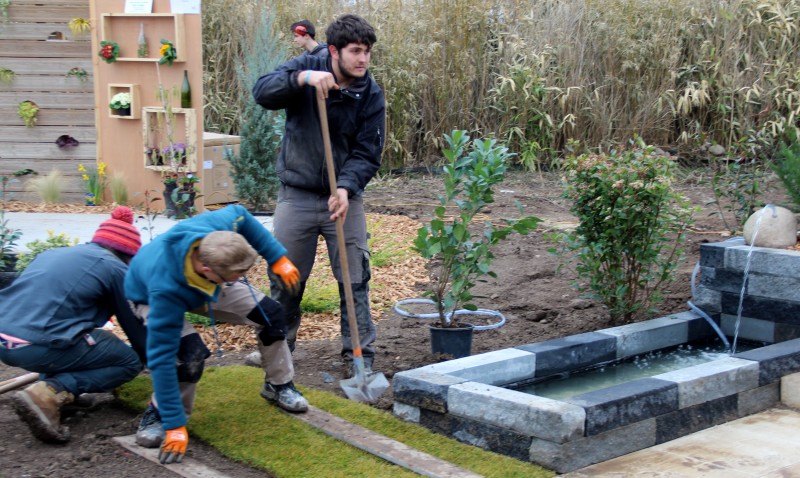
(156, 277)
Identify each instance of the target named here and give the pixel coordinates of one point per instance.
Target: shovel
(361, 387)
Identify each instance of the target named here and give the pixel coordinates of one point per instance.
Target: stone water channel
(473, 399)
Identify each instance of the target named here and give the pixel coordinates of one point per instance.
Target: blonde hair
(227, 253)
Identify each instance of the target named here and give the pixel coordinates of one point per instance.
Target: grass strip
(230, 415)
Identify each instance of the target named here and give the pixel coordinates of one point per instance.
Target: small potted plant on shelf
(109, 51)
(121, 104)
(460, 252)
(168, 53)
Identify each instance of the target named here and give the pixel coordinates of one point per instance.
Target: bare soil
(538, 300)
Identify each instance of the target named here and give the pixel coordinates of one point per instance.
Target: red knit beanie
(119, 233)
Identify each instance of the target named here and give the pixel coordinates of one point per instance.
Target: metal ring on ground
(435, 315)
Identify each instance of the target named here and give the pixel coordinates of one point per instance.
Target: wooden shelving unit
(154, 135)
(133, 89)
(123, 28)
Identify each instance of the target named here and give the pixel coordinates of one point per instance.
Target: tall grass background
(544, 75)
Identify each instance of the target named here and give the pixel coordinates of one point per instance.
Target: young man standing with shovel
(307, 207)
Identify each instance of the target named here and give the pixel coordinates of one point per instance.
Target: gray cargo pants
(301, 216)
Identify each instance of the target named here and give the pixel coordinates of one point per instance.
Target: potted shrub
(460, 252)
(121, 104)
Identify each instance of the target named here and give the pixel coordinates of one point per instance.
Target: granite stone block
(626, 403)
(655, 334)
(520, 412)
(567, 457)
(712, 380)
(480, 434)
(423, 389)
(757, 330)
(571, 353)
(494, 368)
(695, 418)
(775, 310)
(758, 399)
(774, 361)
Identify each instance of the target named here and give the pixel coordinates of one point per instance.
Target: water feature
(469, 398)
(605, 375)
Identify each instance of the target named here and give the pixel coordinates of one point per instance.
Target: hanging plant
(6, 75)
(109, 51)
(28, 111)
(78, 26)
(168, 52)
(78, 73)
(66, 140)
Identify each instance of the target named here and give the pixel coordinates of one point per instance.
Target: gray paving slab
(82, 226)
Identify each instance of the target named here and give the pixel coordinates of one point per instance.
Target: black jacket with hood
(356, 121)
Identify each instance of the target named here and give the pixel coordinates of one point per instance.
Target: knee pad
(192, 354)
(274, 323)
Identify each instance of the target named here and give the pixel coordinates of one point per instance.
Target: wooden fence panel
(66, 103)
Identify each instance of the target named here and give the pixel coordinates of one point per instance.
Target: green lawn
(230, 415)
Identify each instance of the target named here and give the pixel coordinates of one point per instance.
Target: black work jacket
(356, 122)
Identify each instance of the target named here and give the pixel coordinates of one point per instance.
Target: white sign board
(138, 6)
(185, 6)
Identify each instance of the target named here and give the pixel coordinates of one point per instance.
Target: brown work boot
(40, 407)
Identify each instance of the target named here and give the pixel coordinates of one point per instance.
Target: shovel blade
(366, 388)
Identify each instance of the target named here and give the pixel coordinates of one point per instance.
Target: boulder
(777, 228)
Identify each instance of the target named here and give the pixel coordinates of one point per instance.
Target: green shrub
(631, 226)
(463, 255)
(38, 246)
(787, 167)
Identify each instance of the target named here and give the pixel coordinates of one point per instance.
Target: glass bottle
(186, 91)
(142, 50)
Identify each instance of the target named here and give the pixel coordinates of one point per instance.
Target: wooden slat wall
(66, 103)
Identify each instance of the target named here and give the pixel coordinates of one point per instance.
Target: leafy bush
(462, 254)
(38, 246)
(787, 167)
(631, 226)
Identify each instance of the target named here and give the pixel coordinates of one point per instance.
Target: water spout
(747, 272)
(702, 314)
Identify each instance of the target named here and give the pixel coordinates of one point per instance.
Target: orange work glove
(174, 446)
(288, 275)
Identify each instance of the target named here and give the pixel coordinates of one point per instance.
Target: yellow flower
(85, 177)
(101, 168)
(81, 168)
(164, 49)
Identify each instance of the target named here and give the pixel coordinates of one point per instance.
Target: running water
(746, 272)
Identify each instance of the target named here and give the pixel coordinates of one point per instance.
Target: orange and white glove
(174, 446)
(288, 275)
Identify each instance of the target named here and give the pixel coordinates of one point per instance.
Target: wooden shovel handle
(345, 265)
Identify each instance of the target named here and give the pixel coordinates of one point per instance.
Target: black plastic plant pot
(453, 341)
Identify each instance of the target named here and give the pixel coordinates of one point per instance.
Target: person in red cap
(51, 318)
(304, 33)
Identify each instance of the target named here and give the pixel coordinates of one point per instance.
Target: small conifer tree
(253, 169)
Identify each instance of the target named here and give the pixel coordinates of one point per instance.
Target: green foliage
(787, 167)
(223, 418)
(28, 111)
(631, 226)
(79, 73)
(736, 184)
(253, 169)
(8, 235)
(38, 246)
(462, 255)
(7, 76)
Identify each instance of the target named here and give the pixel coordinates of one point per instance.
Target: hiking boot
(286, 396)
(40, 407)
(150, 433)
(350, 369)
